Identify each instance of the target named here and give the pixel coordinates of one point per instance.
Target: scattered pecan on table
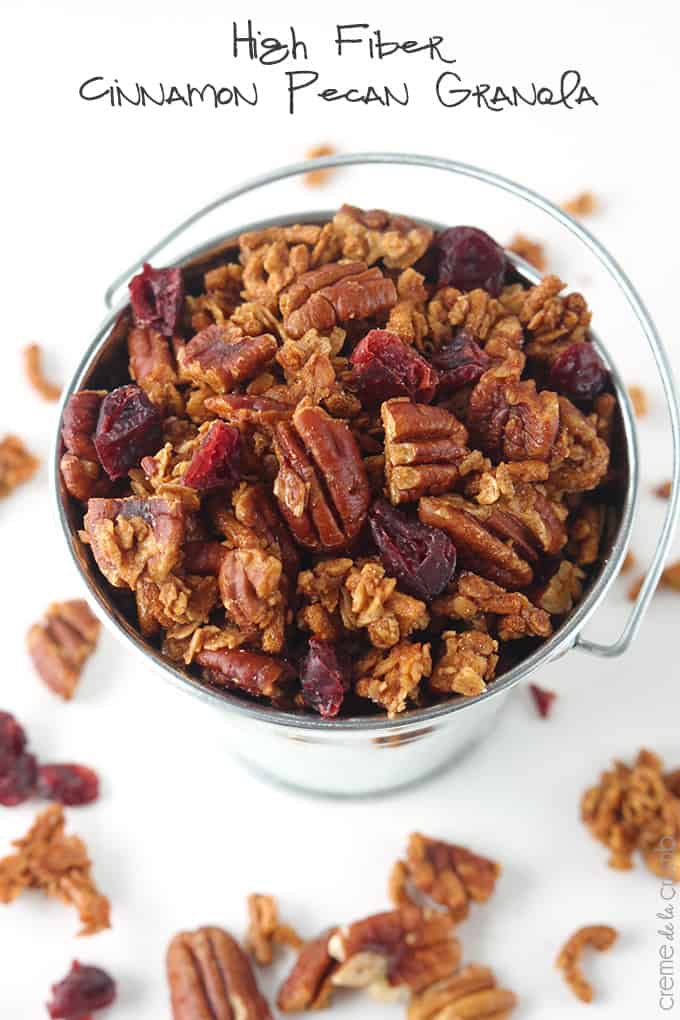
(61, 644)
(265, 930)
(355, 468)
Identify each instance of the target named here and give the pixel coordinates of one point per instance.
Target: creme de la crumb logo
(667, 932)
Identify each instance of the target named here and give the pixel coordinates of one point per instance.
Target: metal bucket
(355, 756)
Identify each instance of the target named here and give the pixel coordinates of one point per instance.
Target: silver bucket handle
(651, 580)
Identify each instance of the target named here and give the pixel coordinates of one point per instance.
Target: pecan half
(61, 645)
(425, 450)
(310, 983)
(451, 875)
(466, 665)
(374, 234)
(601, 937)
(333, 294)
(80, 468)
(210, 978)
(257, 674)
(321, 487)
(472, 994)
(152, 366)
(130, 536)
(405, 949)
(477, 547)
(215, 360)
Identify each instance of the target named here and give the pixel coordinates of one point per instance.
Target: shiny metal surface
(347, 756)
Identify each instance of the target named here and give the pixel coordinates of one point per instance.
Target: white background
(182, 833)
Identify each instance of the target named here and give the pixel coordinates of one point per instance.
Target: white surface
(181, 832)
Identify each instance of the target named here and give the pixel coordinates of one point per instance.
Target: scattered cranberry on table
(83, 990)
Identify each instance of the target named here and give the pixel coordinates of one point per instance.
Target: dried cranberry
(542, 699)
(18, 779)
(156, 296)
(460, 362)
(69, 784)
(129, 427)
(469, 258)
(12, 740)
(216, 462)
(578, 373)
(83, 990)
(422, 558)
(385, 367)
(324, 678)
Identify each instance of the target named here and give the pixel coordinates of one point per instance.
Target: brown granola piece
(320, 589)
(392, 678)
(57, 864)
(670, 577)
(585, 533)
(628, 562)
(583, 204)
(17, 465)
(179, 604)
(210, 978)
(474, 598)
(61, 644)
(638, 398)
(334, 294)
(599, 936)
(663, 490)
(370, 599)
(215, 360)
(317, 178)
(475, 311)
(133, 536)
(426, 450)
(471, 993)
(634, 588)
(373, 235)
(399, 950)
(562, 590)
(532, 251)
(250, 587)
(477, 546)
(310, 983)
(311, 367)
(467, 664)
(448, 874)
(548, 317)
(508, 417)
(581, 458)
(407, 318)
(265, 930)
(35, 375)
(222, 287)
(632, 808)
(152, 366)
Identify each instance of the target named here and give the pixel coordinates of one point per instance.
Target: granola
(17, 464)
(36, 376)
(57, 864)
(317, 178)
(530, 250)
(348, 432)
(599, 936)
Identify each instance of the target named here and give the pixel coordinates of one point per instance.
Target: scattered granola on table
(583, 204)
(36, 376)
(599, 936)
(353, 467)
(317, 178)
(61, 644)
(639, 400)
(628, 562)
(17, 465)
(663, 490)
(637, 808)
(57, 864)
(530, 250)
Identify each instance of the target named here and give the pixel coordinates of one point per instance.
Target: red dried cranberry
(324, 678)
(69, 784)
(542, 699)
(578, 373)
(422, 558)
(385, 367)
(156, 296)
(83, 990)
(12, 740)
(215, 463)
(460, 362)
(469, 258)
(129, 427)
(18, 779)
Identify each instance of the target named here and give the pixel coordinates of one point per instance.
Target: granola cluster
(637, 808)
(356, 466)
